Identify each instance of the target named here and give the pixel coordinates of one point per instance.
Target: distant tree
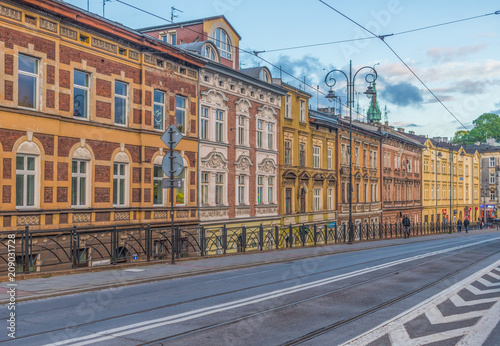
(485, 126)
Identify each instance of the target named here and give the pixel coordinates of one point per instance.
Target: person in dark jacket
(459, 225)
(466, 225)
(406, 226)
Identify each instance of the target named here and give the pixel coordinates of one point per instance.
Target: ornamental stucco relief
(243, 163)
(214, 160)
(267, 165)
(214, 97)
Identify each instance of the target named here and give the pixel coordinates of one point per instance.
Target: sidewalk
(71, 281)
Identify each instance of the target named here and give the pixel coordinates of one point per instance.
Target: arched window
(80, 178)
(209, 52)
(27, 175)
(222, 42)
(264, 76)
(120, 180)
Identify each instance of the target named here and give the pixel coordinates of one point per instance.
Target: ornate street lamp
(330, 81)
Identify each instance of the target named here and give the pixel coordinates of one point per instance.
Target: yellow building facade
(308, 161)
(450, 183)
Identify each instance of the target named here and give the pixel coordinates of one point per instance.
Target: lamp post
(330, 81)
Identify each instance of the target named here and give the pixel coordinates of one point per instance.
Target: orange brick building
(83, 104)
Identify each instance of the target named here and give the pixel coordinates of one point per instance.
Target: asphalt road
(445, 291)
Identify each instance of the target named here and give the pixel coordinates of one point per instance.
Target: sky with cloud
(459, 62)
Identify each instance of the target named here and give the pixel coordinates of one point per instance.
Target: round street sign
(178, 164)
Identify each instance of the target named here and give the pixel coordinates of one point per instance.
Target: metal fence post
(75, 260)
(114, 247)
(244, 239)
(224, 239)
(27, 255)
(202, 240)
(326, 233)
(315, 234)
(276, 237)
(177, 242)
(149, 242)
(290, 235)
(261, 238)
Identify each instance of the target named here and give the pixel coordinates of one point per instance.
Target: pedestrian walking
(466, 225)
(406, 226)
(459, 226)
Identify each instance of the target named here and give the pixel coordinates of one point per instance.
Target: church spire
(374, 114)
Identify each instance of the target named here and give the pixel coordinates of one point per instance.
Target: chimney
(386, 124)
(400, 129)
(412, 132)
(392, 127)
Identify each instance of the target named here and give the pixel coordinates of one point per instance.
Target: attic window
(242, 90)
(261, 96)
(272, 99)
(122, 51)
(252, 93)
(232, 87)
(221, 83)
(206, 78)
(84, 38)
(159, 63)
(182, 70)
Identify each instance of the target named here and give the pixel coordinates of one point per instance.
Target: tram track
(438, 258)
(343, 322)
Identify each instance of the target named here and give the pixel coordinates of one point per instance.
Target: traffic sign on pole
(175, 183)
(175, 169)
(172, 134)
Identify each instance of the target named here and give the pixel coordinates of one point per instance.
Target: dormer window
(264, 76)
(222, 42)
(209, 52)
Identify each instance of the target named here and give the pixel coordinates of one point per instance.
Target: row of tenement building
(84, 101)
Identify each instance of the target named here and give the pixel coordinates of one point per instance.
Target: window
(330, 158)
(270, 190)
(432, 166)
(374, 164)
(492, 194)
(302, 111)
(330, 199)
(180, 192)
(364, 157)
(288, 106)
(25, 181)
(204, 188)
(366, 192)
(119, 178)
(219, 126)
(222, 42)
(316, 157)
(437, 192)
(159, 109)
(358, 193)
(288, 152)
(173, 38)
(204, 123)
(27, 82)
(241, 189)
(260, 125)
(241, 130)
(180, 113)
(356, 156)
(260, 189)
(317, 199)
(302, 154)
(157, 188)
(219, 189)
(264, 76)
(208, 52)
(121, 103)
(270, 135)
(79, 183)
(80, 94)
(492, 162)
(343, 154)
(492, 178)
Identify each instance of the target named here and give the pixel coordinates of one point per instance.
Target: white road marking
(478, 292)
(488, 284)
(159, 322)
(475, 335)
(435, 316)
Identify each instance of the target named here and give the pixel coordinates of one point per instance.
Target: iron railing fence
(49, 250)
